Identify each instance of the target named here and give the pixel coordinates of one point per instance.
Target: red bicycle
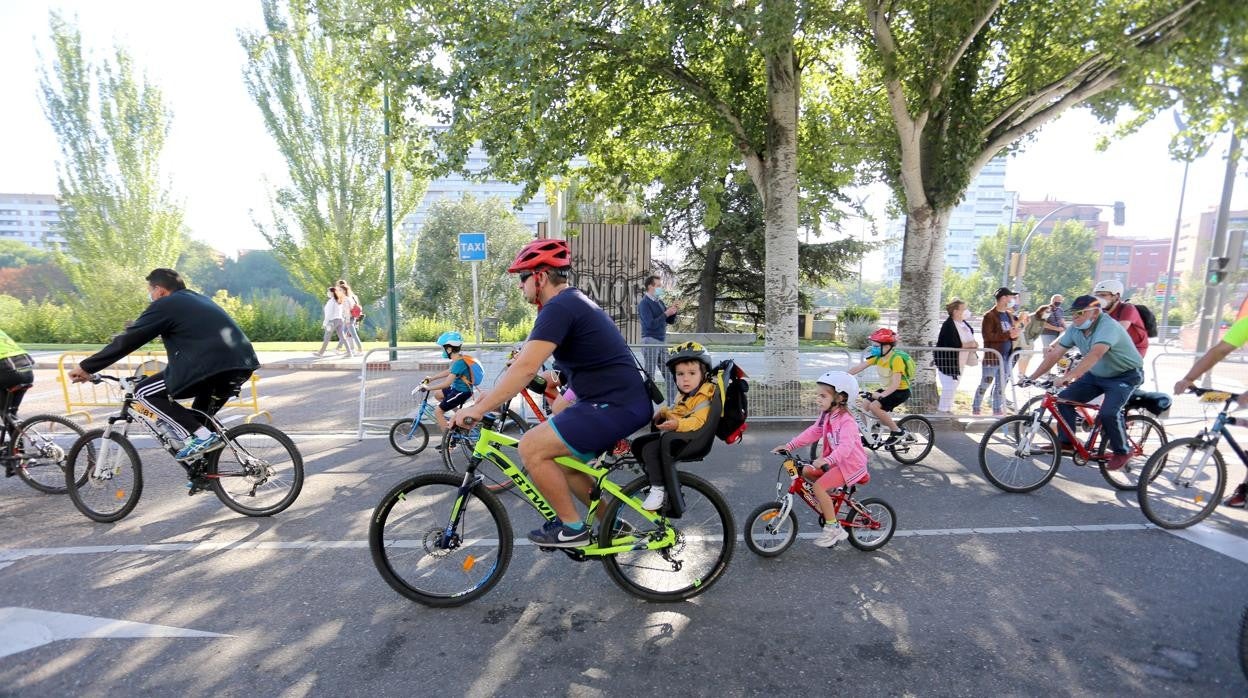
(772, 527)
(1021, 453)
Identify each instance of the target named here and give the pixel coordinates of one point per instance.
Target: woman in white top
(955, 334)
(349, 323)
(332, 322)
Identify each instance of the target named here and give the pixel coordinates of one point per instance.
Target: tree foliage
(1060, 262)
(441, 285)
(329, 222)
(117, 216)
(17, 254)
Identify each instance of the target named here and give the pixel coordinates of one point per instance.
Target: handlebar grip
(469, 421)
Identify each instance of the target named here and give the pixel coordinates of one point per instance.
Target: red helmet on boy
(883, 336)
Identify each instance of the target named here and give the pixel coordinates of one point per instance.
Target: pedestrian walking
(1033, 327)
(1055, 324)
(655, 316)
(1001, 331)
(956, 334)
(351, 315)
(331, 321)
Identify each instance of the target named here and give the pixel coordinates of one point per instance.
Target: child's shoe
(831, 535)
(654, 500)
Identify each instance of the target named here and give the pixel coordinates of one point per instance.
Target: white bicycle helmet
(841, 382)
(1113, 286)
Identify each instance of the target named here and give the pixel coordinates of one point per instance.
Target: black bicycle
(258, 472)
(35, 449)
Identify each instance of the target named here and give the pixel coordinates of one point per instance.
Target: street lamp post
(1022, 250)
(391, 301)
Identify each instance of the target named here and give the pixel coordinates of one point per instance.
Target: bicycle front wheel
(457, 450)
(40, 450)
(1182, 483)
(1019, 454)
(408, 439)
(1145, 436)
(767, 534)
(917, 443)
(422, 557)
(705, 537)
(104, 476)
(261, 474)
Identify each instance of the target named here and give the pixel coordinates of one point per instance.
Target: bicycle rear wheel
(705, 537)
(261, 475)
(110, 491)
(1145, 436)
(768, 535)
(1018, 454)
(407, 539)
(406, 440)
(457, 449)
(1182, 483)
(40, 449)
(917, 443)
(877, 525)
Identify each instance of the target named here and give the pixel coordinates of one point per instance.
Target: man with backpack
(1109, 293)
(452, 387)
(896, 368)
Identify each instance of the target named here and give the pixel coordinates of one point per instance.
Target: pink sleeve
(813, 433)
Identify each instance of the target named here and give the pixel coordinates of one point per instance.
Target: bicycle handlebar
(1201, 392)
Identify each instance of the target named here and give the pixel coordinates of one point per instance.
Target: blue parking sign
(472, 247)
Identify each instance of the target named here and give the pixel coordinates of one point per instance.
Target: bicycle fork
(108, 460)
(448, 539)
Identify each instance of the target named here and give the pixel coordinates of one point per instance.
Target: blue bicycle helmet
(452, 338)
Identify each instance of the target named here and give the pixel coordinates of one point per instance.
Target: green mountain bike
(444, 539)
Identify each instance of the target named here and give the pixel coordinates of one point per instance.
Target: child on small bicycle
(452, 387)
(891, 366)
(844, 460)
(691, 366)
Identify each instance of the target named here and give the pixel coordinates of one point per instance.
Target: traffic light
(1217, 270)
(1120, 213)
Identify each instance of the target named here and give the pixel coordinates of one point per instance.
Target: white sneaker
(831, 535)
(654, 500)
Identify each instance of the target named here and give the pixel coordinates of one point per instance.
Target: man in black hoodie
(209, 359)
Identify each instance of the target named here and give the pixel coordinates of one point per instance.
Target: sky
(220, 159)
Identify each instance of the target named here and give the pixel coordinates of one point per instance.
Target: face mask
(1085, 324)
(966, 314)
(1044, 316)
(873, 352)
(659, 293)
(151, 296)
(1013, 303)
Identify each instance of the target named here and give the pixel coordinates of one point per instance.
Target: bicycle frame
(1050, 403)
(805, 489)
(488, 448)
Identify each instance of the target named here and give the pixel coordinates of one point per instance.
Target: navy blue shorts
(452, 398)
(588, 428)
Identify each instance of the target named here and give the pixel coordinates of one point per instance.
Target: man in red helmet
(892, 368)
(611, 398)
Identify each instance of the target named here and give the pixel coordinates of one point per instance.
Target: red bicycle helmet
(543, 252)
(884, 336)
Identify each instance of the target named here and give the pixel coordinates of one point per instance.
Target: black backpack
(1150, 320)
(733, 386)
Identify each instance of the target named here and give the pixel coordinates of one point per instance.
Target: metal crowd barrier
(84, 395)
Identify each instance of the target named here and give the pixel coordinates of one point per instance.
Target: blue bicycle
(410, 435)
(1183, 481)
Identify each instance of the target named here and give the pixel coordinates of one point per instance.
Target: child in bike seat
(452, 387)
(691, 365)
(844, 460)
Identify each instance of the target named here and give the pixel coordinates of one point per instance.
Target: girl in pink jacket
(844, 460)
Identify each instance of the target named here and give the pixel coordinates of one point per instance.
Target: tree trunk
(707, 288)
(922, 275)
(780, 214)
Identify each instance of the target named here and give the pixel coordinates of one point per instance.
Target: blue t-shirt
(590, 350)
(1122, 355)
(460, 370)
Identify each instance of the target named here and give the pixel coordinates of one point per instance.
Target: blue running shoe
(554, 534)
(198, 447)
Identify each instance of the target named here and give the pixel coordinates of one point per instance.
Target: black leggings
(210, 395)
(11, 376)
(646, 449)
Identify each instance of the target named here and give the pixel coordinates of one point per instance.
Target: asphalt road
(1062, 591)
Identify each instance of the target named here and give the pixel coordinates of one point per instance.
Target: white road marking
(23, 629)
(1215, 540)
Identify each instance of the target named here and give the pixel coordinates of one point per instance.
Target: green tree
(441, 285)
(648, 93)
(202, 267)
(258, 272)
(118, 219)
(1062, 261)
(329, 223)
(17, 254)
(944, 87)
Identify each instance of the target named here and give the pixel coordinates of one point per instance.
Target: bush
(857, 333)
(36, 322)
(856, 313)
(427, 329)
(1175, 317)
(270, 317)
